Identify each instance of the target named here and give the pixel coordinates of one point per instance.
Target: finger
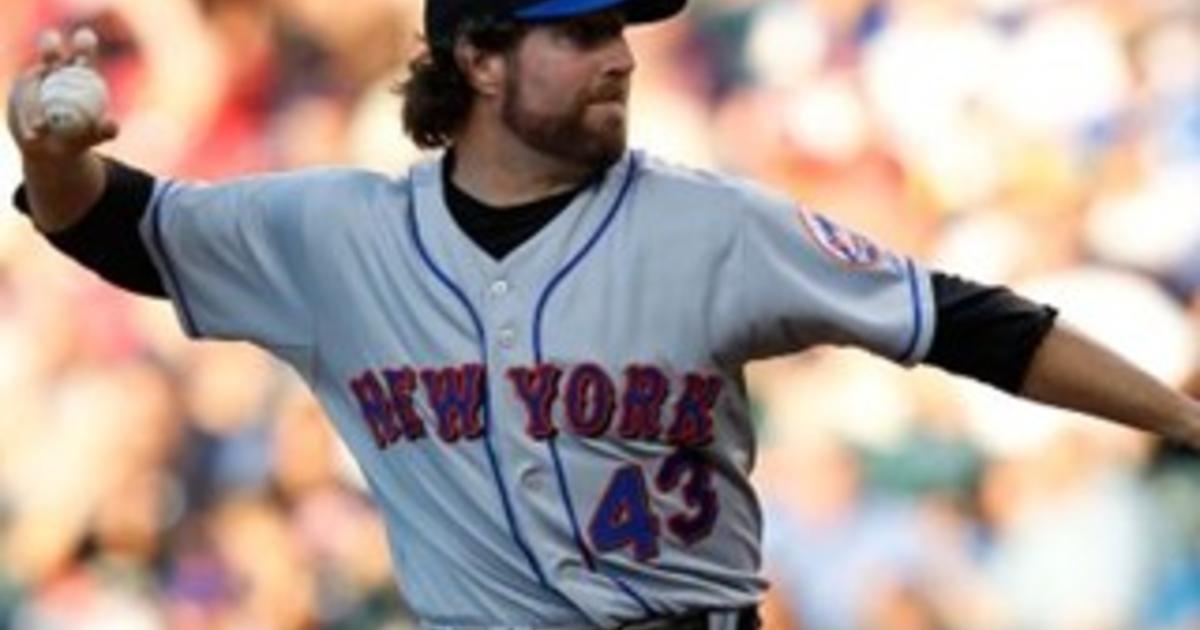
(84, 46)
(98, 133)
(94, 134)
(24, 110)
(107, 130)
(39, 125)
(32, 110)
(34, 130)
(50, 48)
(16, 100)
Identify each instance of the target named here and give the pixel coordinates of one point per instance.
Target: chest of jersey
(571, 397)
(599, 325)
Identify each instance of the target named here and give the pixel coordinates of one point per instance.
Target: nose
(619, 60)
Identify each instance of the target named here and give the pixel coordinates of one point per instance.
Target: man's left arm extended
(994, 335)
(1072, 371)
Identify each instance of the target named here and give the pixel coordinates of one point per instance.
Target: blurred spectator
(146, 481)
(1052, 510)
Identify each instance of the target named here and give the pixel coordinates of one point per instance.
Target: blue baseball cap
(444, 17)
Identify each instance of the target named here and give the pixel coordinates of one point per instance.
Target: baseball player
(533, 341)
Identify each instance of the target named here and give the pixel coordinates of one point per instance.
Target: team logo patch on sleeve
(845, 246)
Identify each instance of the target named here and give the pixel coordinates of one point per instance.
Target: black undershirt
(106, 239)
(988, 333)
(984, 332)
(500, 230)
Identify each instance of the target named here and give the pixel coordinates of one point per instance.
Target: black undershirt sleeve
(988, 333)
(107, 240)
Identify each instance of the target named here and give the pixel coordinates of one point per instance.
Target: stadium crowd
(1053, 145)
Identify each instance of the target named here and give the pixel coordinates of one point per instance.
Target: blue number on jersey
(624, 517)
(698, 493)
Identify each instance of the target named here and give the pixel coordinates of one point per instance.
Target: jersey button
(507, 337)
(499, 288)
(534, 479)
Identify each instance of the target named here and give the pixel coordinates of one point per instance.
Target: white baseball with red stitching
(73, 99)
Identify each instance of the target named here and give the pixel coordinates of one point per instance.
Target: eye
(592, 31)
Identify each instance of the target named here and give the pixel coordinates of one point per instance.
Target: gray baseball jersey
(561, 438)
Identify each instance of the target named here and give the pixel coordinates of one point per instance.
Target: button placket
(504, 327)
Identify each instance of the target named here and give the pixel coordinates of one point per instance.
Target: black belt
(747, 619)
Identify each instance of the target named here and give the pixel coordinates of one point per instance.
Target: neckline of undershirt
(499, 230)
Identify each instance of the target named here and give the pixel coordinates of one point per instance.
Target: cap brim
(636, 11)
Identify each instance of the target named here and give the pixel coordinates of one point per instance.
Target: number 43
(624, 516)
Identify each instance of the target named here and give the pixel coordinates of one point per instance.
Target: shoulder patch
(843, 245)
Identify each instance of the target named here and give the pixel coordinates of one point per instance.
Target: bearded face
(567, 90)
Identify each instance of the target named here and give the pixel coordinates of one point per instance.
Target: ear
(484, 70)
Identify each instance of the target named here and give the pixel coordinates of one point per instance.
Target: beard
(567, 135)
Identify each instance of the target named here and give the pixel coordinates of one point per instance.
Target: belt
(740, 619)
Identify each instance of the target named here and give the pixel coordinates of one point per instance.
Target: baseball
(73, 98)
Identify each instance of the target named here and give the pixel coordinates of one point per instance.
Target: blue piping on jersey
(189, 321)
(481, 337)
(915, 293)
(538, 356)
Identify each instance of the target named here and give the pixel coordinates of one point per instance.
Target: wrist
(1186, 428)
(60, 190)
(37, 163)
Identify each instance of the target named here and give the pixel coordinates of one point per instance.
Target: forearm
(1069, 370)
(60, 191)
(105, 237)
(88, 207)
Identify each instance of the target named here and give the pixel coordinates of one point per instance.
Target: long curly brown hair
(436, 94)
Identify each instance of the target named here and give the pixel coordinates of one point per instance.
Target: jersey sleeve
(805, 280)
(233, 257)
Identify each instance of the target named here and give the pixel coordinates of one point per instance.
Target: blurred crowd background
(1053, 145)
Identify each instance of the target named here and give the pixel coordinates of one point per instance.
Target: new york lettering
(641, 403)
